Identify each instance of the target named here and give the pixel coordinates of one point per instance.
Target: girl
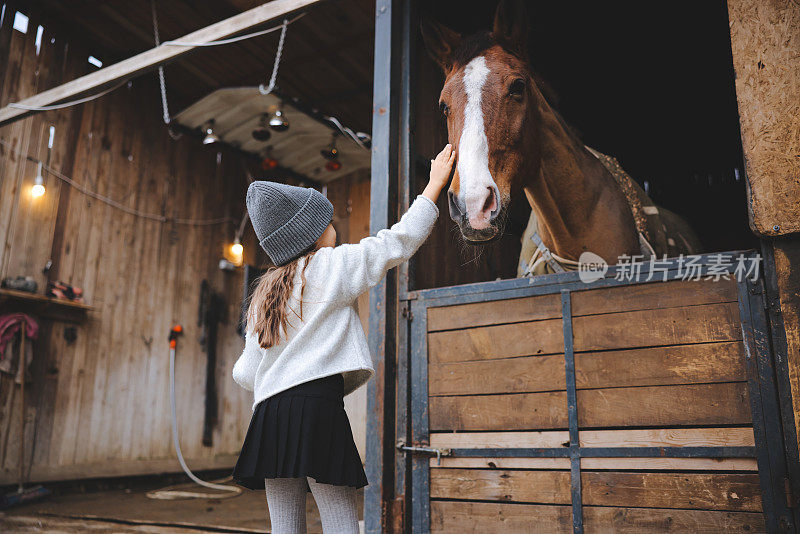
(305, 348)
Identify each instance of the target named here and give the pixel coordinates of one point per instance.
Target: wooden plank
(492, 342)
(765, 38)
(650, 328)
(545, 487)
(698, 491)
(681, 364)
(652, 437)
(469, 440)
(494, 312)
(520, 411)
(513, 375)
(652, 464)
(696, 404)
(669, 437)
(481, 518)
(513, 518)
(638, 520)
(651, 296)
(154, 57)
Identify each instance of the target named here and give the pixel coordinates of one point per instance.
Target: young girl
(305, 348)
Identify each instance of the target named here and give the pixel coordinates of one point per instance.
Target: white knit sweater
(329, 338)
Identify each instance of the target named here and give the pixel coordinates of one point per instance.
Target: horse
(509, 140)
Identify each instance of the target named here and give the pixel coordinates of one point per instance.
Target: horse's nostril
(457, 208)
(489, 204)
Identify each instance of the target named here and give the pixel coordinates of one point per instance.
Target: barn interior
(139, 216)
(655, 90)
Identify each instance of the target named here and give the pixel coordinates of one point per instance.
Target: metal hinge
(405, 311)
(402, 447)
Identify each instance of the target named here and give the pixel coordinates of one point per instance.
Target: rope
(278, 55)
(117, 205)
(234, 39)
(66, 104)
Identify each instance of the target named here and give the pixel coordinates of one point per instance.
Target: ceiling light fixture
(278, 122)
(210, 136)
(38, 183)
(330, 152)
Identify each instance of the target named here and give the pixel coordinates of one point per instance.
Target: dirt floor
(130, 510)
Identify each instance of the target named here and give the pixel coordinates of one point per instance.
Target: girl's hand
(440, 172)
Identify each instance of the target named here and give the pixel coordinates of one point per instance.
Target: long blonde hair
(268, 311)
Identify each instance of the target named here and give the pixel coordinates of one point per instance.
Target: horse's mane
(471, 46)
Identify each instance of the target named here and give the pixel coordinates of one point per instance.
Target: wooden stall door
(612, 407)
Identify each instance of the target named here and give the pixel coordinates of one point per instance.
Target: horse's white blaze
(473, 148)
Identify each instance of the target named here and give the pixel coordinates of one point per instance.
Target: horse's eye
(517, 87)
(445, 109)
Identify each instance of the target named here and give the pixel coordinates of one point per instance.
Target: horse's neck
(578, 203)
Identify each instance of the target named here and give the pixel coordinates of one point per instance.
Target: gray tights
(286, 499)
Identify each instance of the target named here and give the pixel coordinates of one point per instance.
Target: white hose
(168, 493)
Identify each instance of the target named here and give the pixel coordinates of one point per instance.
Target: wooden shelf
(45, 307)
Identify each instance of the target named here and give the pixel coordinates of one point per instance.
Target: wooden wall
(99, 405)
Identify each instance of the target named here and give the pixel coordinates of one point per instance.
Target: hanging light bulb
(331, 152)
(333, 166)
(210, 136)
(261, 132)
(38, 184)
(278, 121)
(237, 247)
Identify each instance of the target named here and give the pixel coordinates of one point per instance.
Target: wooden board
(661, 464)
(494, 312)
(512, 518)
(681, 364)
(697, 404)
(698, 491)
(765, 38)
(652, 296)
(651, 437)
(491, 342)
(649, 328)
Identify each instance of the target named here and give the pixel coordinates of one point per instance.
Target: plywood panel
(512, 518)
(765, 37)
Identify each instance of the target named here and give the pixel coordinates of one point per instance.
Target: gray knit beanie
(288, 220)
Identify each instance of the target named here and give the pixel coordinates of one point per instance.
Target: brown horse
(509, 140)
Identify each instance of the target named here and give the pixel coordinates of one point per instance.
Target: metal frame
(769, 452)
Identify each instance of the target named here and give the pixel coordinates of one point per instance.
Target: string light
(38, 184)
(237, 249)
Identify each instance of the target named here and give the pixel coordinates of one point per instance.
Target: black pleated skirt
(302, 431)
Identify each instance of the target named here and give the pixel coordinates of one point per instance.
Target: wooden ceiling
(327, 57)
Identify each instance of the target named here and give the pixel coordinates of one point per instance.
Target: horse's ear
(511, 26)
(440, 41)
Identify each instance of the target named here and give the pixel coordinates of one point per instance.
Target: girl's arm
(355, 268)
(244, 370)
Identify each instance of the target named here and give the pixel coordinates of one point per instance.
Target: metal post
(382, 298)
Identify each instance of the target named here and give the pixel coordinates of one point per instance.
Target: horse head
(488, 100)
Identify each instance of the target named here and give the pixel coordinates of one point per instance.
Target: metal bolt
(776, 228)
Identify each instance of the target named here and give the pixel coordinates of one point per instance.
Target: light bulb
(210, 136)
(237, 249)
(38, 183)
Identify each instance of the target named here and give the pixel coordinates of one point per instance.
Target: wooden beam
(154, 57)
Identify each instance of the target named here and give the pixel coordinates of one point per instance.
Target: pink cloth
(10, 324)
